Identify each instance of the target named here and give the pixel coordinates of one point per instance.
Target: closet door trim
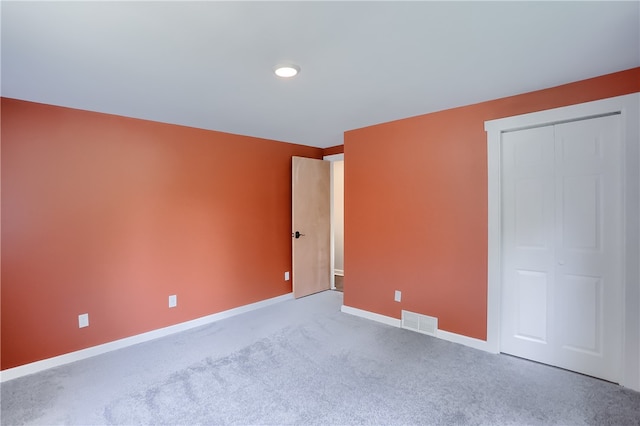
(628, 106)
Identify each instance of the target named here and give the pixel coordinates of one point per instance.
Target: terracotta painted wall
(416, 206)
(332, 150)
(110, 215)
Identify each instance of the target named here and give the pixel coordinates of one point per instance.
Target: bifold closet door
(562, 245)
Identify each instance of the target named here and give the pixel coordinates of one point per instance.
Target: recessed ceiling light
(286, 71)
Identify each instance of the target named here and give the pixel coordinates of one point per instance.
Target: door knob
(297, 234)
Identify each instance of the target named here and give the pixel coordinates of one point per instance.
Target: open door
(311, 233)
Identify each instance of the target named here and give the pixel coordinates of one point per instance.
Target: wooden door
(311, 233)
(562, 245)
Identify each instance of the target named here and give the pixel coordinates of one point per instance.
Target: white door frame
(628, 106)
(332, 158)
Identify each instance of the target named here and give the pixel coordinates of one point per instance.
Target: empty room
(323, 212)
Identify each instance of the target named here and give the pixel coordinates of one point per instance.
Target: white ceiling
(209, 64)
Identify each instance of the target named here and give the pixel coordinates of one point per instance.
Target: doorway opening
(337, 221)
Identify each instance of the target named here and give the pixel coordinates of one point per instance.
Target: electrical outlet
(286, 276)
(173, 301)
(83, 320)
(398, 296)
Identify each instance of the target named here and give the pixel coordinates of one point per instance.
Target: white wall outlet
(83, 320)
(173, 301)
(398, 296)
(286, 276)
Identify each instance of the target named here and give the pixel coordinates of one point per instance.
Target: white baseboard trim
(45, 364)
(338, 272)
(371, 316)
(440, 334)
(465, 340)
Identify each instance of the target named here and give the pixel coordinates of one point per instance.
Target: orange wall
(416, 206)
(332, 150)
(110, 215)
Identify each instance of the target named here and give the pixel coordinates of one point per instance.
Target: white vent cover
(420, 323)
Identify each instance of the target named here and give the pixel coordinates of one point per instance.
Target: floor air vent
(420, 323)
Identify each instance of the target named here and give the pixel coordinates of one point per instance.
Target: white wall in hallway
(338, 214)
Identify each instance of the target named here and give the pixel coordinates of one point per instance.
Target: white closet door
(528, 220)
(562, 245)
